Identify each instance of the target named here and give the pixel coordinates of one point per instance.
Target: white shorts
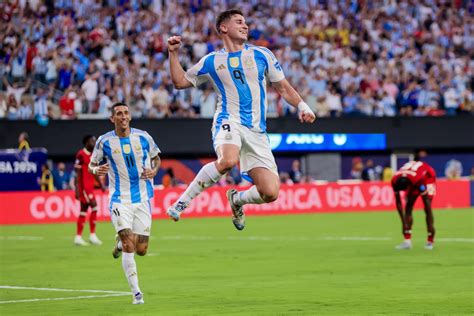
(136, 217)
(254, 147)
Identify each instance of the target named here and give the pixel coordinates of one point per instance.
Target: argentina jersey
(127, 157)
(239, 80)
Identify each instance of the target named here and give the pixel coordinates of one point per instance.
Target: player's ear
(112, 118)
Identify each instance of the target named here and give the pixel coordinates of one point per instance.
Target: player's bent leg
(267, 183)
(141, 244)
(228, 156)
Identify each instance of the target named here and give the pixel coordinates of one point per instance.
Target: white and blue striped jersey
(127, 157)
(240, 81)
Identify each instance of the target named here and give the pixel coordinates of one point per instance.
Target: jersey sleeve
(98, 152)
(79, 160)
(154, 149)
(197, 74)
(274, 71)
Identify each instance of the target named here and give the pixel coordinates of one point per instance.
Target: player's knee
(269, 194)
(225, 164)
(141, 251)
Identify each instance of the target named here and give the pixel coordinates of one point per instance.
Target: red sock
(407, 234)
(80, 225)
(430, 238)
(92, 220)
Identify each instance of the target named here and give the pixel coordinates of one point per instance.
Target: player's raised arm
(177, 71)
(284, 88)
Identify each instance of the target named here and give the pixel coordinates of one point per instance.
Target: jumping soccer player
(415, 178)
(132, 162)
(239, 74)
(85, 192)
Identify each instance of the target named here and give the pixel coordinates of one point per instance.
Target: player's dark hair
(86, 139)
(401, 184)
(225, 16)
(116, 105)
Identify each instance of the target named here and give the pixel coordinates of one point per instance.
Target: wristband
(94, 170)
(303, 107)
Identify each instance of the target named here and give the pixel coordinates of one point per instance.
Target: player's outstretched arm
(284, 88)
(176, 70)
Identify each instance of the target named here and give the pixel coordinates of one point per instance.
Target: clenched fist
(173, 43)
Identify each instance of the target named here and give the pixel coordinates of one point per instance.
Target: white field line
(29, 238)
(58, 290)
(106, 294)
(62, 298)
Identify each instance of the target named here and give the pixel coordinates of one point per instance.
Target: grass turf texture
(278, 265)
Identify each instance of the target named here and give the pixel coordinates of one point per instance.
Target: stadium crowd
(74, 58)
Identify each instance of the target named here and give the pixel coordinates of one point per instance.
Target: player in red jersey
(416, 178)
(85, 192)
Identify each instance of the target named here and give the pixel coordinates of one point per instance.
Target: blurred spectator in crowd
(23, 141)
(61, 177)
(3, 106)
(357, 167)
(295, 173)
(471, 176)
(453, 169)
(285, 178)
(66, 105)
(16, 90)
(387, 173)
(41, 103)
(368, 173)
(169, 180)
(24, 110)
(46, 180)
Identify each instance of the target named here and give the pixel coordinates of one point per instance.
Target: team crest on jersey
(126, 149)
(234, 62)
(248, 61)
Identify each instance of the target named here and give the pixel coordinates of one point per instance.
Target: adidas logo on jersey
(221, 67)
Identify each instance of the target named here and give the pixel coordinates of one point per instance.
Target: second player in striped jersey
(132, 162)
(239, 74)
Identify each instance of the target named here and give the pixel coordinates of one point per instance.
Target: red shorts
(86, 196)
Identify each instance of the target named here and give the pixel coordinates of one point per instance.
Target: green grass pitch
(340, 264)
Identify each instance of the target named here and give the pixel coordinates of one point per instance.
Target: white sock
(250, 196)
(130, 268)
(207, 176)
(119, 245)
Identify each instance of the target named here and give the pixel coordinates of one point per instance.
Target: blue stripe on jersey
(132, 170)
(209, 65)
(108, 152)
(245, 96)
(261, 77)
(146, 150)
